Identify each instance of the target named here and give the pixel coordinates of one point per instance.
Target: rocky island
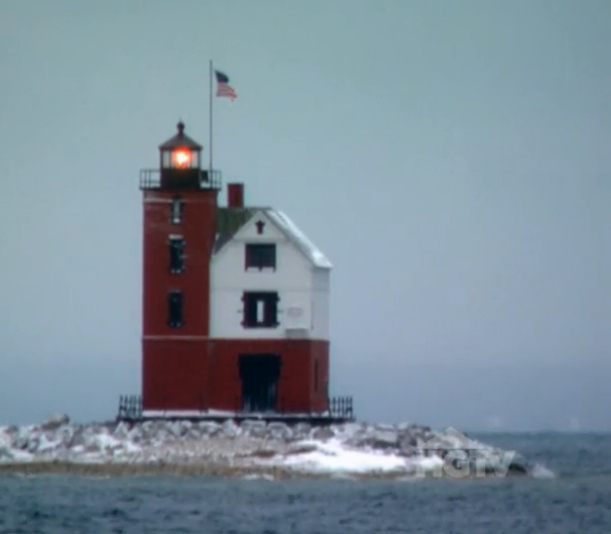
(251, 449)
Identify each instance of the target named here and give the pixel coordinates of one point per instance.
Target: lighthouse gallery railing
(151, 179)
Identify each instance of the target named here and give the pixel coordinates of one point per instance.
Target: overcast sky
(451, 158)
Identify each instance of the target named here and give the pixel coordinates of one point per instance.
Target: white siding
(303, 289)
(320, 304)
(249, 231)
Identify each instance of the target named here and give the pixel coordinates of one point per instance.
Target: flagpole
(210, 133)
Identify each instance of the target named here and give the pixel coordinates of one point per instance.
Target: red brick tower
(180, 218)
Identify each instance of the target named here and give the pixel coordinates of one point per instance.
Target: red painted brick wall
(296, 385)
(197, 374)
(198, 229)
(174, 371)
(320, 353)
(175, 374)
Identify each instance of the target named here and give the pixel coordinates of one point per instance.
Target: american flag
(223, 88)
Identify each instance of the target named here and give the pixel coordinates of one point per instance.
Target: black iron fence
(341, 407)
(130, 407)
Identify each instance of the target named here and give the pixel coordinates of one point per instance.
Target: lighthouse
(235, 302)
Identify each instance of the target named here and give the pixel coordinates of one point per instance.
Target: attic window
(260, 309)
(260, 256)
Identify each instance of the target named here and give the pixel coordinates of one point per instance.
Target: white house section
(250, 231)
(320, 303)
(269, 281)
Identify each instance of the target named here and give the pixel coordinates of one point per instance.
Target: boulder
(64, 435)
(33, 443)
(20, 440)
(55, 421)
(279, 430)
(382, 439)
(415, 432)
(208, 428)
(301, 431)
(230, 429)
(408, 452)
(323, 433)
(136, 434)
(407, 442)
(47, 444)
(350, 431)
(194, 433)
(77, 438)
(185, 427)
(172, 428)
(254, 429)
(121, 431)
(5, 453)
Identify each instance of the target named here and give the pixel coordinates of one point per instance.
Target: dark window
(175, 309)
(177, 210)
(260, 309)
(177, 254)
(259, 256)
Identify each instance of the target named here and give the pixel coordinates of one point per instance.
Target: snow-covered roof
(299, 239)
(231, 220)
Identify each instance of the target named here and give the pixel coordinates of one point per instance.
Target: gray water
(577, 500)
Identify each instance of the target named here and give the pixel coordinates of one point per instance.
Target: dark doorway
(260, 374)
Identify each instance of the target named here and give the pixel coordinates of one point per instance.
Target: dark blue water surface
(577, 501)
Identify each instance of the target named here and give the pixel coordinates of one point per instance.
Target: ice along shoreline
(251, 449)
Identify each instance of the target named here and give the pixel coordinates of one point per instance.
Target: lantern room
(180, 152)
(180, 166)
(180, 162)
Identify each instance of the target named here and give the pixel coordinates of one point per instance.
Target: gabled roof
(229, 221)
(232, 220)
(299, 239)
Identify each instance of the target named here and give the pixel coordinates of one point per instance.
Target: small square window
(177, 210)
(260, 309)
(177, 255)
(260, 256)
(176, 309)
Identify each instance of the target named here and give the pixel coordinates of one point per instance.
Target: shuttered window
(176, 309)
(260, 309)
(260, 255)
(177, 255)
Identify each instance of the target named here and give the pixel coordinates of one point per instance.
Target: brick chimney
(235, 195)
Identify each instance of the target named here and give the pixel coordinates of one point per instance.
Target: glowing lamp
(182, 158)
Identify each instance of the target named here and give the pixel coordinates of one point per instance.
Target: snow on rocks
(55, 421)
(344, 449)
(333, 457)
